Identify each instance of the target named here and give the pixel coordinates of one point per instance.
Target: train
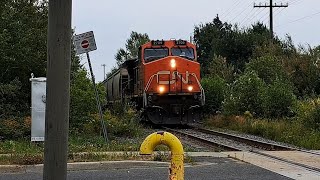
(163, 82)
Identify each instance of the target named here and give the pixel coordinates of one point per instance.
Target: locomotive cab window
(152, 54)
(185, 52)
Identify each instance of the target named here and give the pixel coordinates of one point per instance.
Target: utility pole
(104, 71)
(58, 90)
(271, 6)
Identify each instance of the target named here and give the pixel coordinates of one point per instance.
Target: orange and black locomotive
(163, 82)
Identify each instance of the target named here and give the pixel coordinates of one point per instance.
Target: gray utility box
(38, 108)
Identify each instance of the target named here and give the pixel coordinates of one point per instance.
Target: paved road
(204, 169)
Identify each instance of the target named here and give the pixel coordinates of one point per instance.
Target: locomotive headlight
(173, 63)
(190, 88)
(161, 89)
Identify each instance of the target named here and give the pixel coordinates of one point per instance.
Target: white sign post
(84, 44)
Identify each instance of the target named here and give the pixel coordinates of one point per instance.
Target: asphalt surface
(202, 169)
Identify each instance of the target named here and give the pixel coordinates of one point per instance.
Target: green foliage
(304, 73)
(82, 100)
(246, 94)
(223, 39)
(283, 130)
(23, 37)
(15, 127)
(215, 88)
(279, 100)
(132, 46)
(308, 112)
(219, 67)
(314, 119)
(268, 68)
(119, 125)
(10, 104)
(125, 125)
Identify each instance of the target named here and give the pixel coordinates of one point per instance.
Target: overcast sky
(113, 20)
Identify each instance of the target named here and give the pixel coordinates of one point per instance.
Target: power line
(227, 12)
(254, 15)
(247, 15)
(302, 18)
(264, 17)
(276, 12)
(279, 11)
(241, 13)
(295, 1)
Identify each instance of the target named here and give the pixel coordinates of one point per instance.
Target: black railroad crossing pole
(58, 90)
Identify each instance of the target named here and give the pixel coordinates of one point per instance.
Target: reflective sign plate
(84, 42)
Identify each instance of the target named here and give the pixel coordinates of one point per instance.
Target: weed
(291, 131)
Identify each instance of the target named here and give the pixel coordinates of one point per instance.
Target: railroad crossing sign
(84, 42)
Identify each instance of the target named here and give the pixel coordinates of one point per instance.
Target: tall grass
(290, 131)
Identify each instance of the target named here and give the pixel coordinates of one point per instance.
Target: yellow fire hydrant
(176, 170)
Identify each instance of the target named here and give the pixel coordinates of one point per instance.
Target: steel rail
(232, 148)
(252, 142)
(203, 140)
(307, 167)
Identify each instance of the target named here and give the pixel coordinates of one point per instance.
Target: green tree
(304, 71)
(279, 99)
(8, 98)
(82, 100)
(245, 94)
(268, 69)
(132, 47)
(23, 37)
(215, 88)
(219, 67)
(222, 39)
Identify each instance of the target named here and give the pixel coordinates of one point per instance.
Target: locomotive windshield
(152, 54)
(183, 52)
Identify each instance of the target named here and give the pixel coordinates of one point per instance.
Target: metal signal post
(103, 125)
(271, 6)
(85, 43)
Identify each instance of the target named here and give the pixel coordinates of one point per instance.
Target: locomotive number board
(180, 42)
(157, 43)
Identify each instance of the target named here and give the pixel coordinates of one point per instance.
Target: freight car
(163, 82)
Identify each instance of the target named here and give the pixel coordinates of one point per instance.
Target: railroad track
(239, 143)
(227, 141)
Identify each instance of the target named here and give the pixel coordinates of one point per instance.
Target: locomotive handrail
(149, 82)
(201, 88)
(146, 89)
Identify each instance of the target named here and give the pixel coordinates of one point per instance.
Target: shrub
(308, 112)
(15, 127)
(126, 125)
(9, 99)
(314, 119)
(214, 91)
(219, 67)
(304, 74)
(246, 94)
(268, 68)
(82, 100)
(279, 100)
